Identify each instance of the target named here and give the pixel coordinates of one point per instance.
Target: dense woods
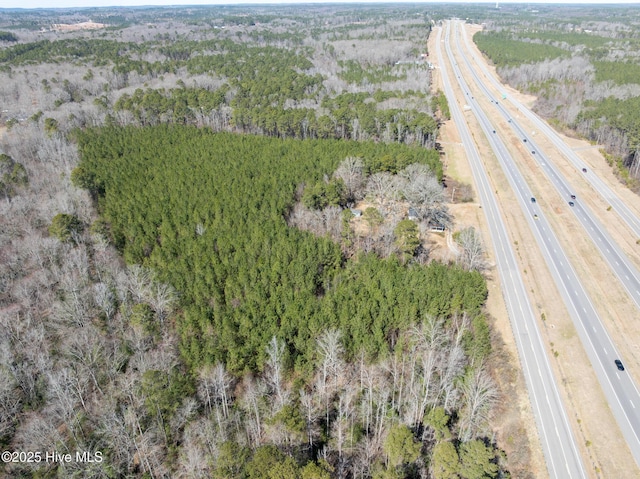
(506, 51)
(184, 284)
(218, 235)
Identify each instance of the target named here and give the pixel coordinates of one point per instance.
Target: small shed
(436, 226)
(413, 215)
(356, 213)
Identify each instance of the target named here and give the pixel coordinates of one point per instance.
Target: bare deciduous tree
(274, 368)
(312, 409)
(139, 282)
(331, 365)
(162, 298)
(254, 392)
(421, 189)
(104, 299)
(427, 343)
(381, 186)
(195, 456)
(479, 396)
(472, 256)
(351, 171)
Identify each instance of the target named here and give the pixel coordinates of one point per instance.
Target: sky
(130, 3)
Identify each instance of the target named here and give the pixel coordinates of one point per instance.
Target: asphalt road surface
(600, 186)
(619, 388)
(558, 443)
(619, 263)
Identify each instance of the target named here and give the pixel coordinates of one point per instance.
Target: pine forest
(229, 242)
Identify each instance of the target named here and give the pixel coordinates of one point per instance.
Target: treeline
(440, 102)
(615, 123)
(45, 51)
(353, 72)
(8, 37)
(263, 75)
(504, 50)
(177, 105)
(620, 73)
(349, 115)
(589, 40)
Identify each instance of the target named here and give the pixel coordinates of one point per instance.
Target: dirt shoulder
(513, 422)
(606, 453)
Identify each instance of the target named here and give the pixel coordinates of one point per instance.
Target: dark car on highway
(619, 365)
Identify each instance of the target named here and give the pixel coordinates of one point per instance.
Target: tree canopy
(207, 212)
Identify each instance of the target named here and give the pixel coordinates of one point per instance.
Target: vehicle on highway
(535, 217)
(524, 139)
(533, 152)
(573, 197)
(533, 200)
(584, 170)
(571, 203)
(619, 365)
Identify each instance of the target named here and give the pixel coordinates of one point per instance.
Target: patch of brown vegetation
(66, 27)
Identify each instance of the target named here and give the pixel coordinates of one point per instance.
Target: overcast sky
(129, 3)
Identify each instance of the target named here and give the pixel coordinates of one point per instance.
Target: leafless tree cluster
(326, 222)
(472, 252)
(391, 196)
(424, 193)
(67, 311)
(426, 370)
(573, 84)
(351, 172)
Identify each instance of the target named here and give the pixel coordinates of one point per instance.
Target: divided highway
(559, 447)
(600, 186)
(619, 263)
(619, 389)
